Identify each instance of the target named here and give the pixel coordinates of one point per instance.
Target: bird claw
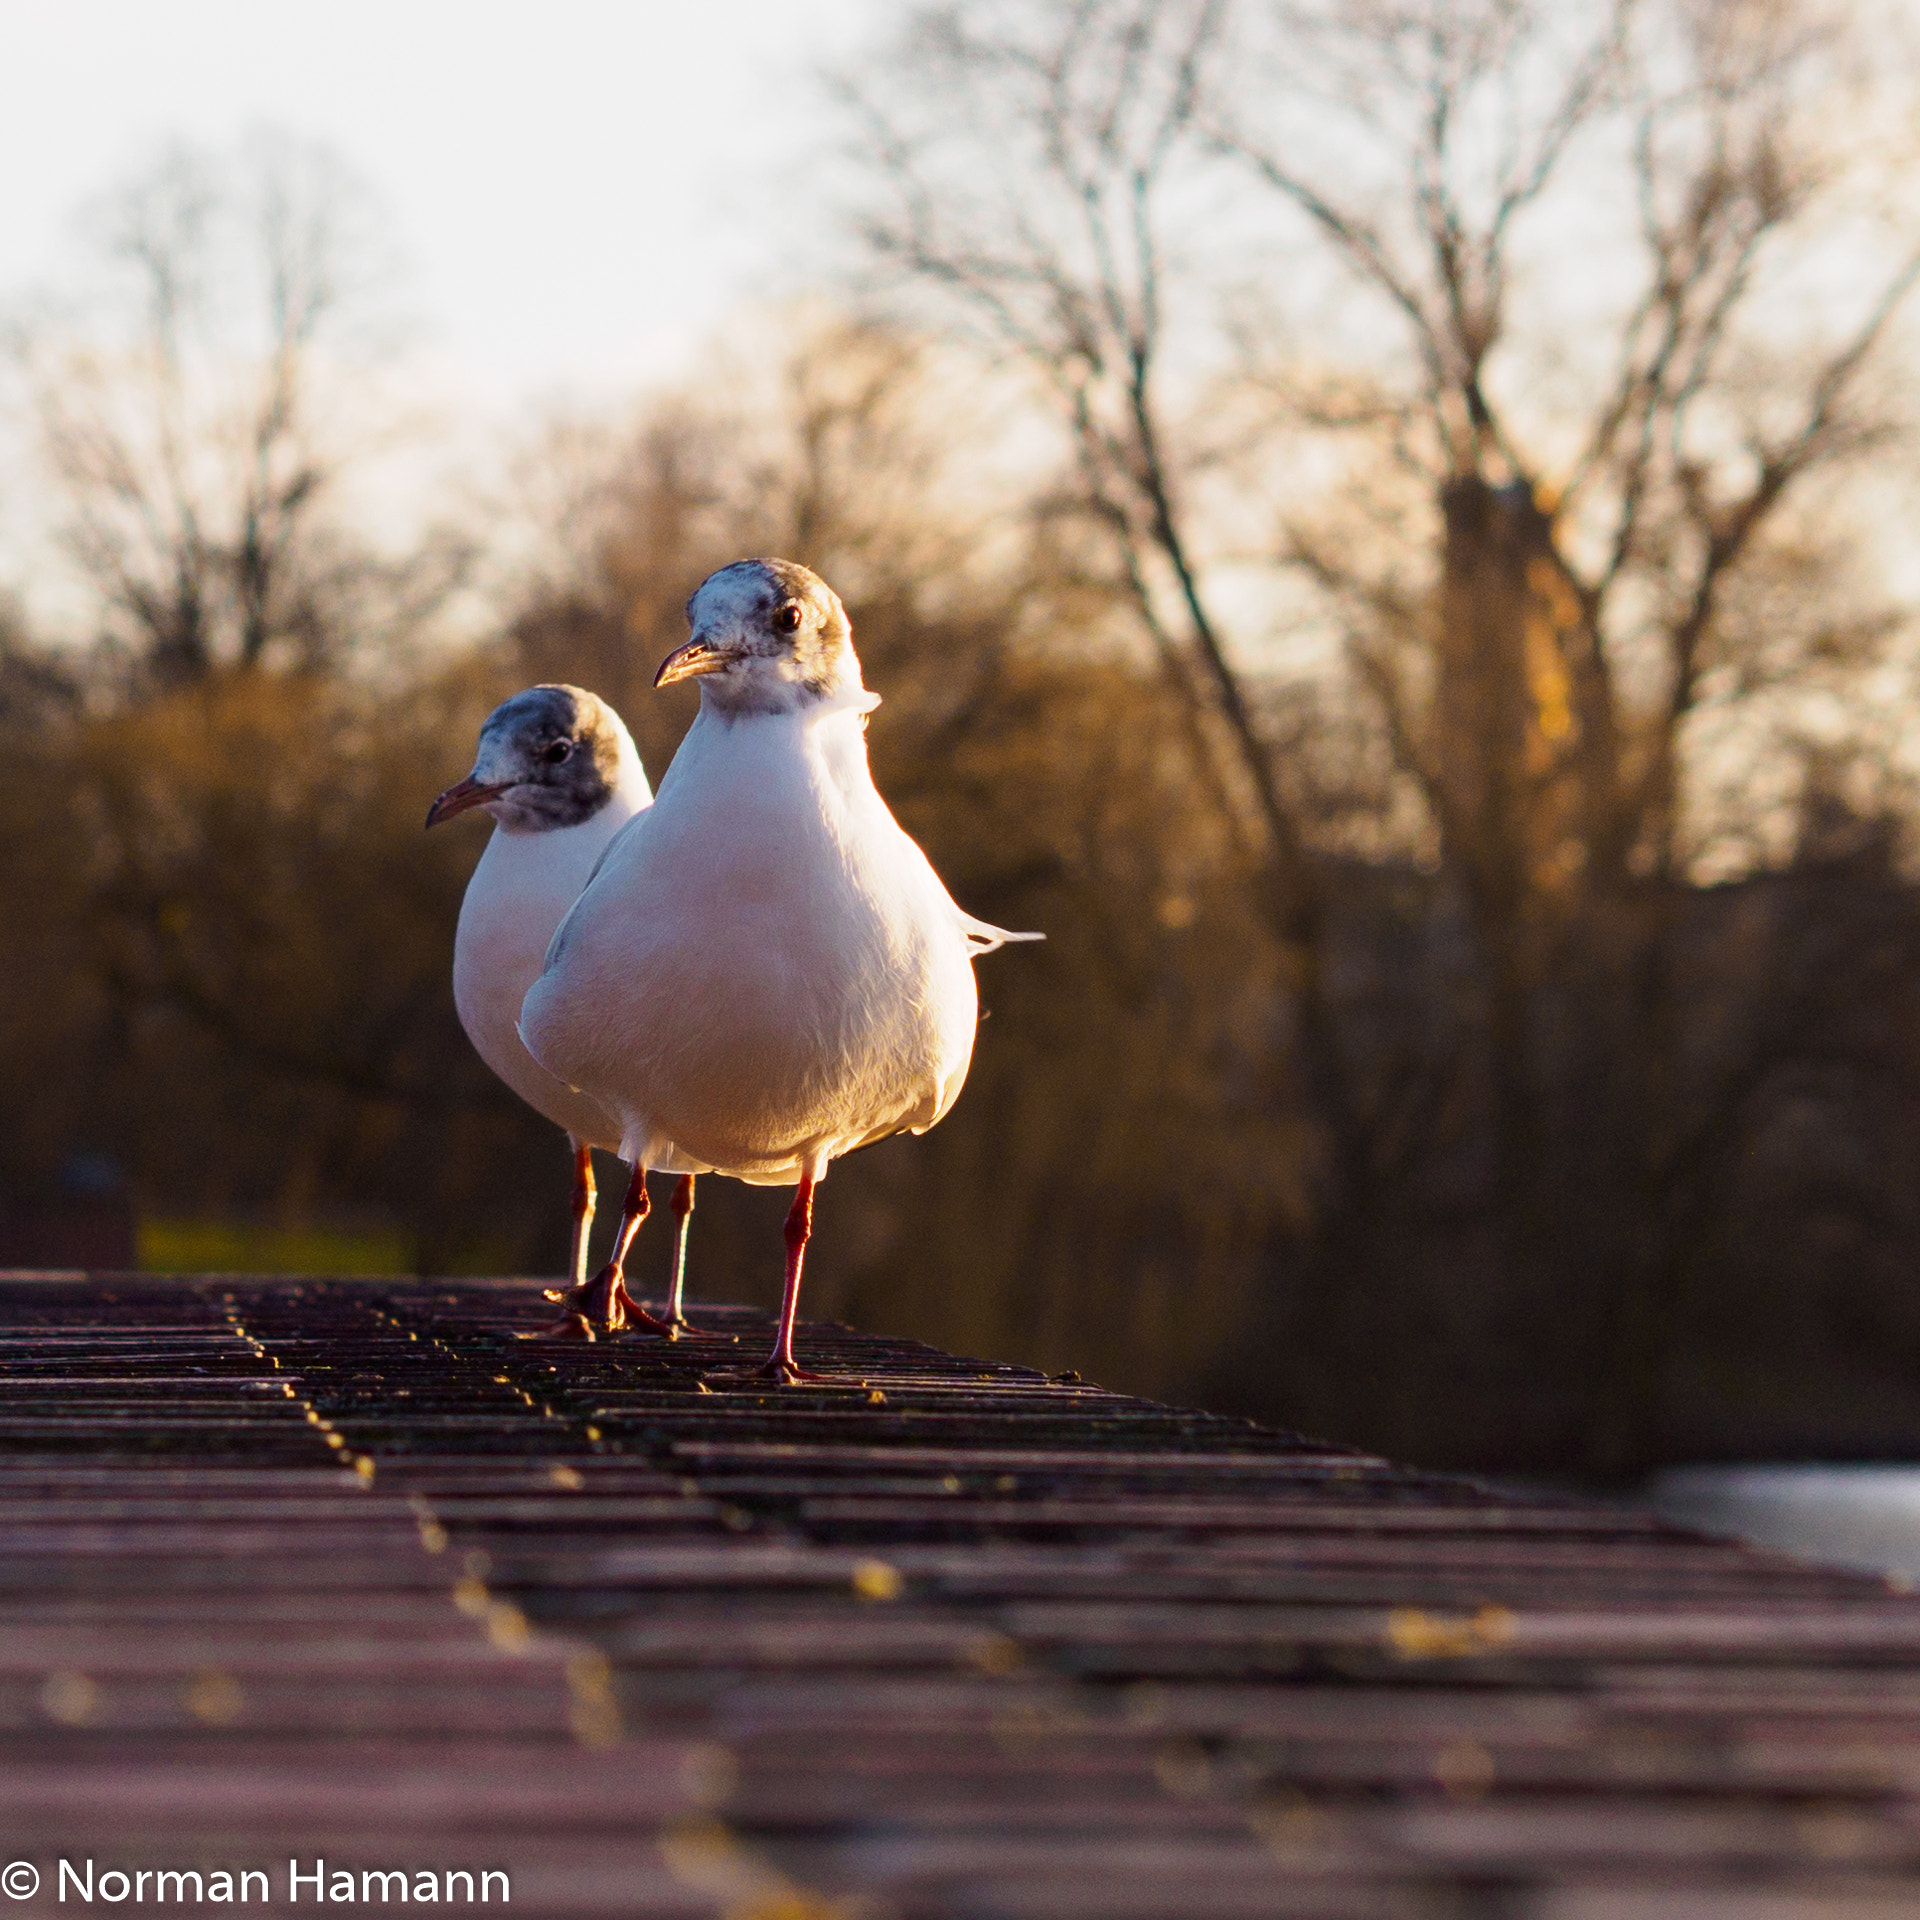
(639, 1320)
(570, 1326)
(784, 1373)
(679, 1327)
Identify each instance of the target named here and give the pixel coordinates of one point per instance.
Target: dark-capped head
(769, 636)
(550, 757)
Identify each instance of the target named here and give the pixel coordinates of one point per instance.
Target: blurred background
(1386, 530)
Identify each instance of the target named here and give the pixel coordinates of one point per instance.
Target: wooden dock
(348, 1570)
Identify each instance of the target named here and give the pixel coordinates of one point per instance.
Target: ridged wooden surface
(348, 1569)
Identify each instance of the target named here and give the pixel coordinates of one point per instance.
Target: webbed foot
(604, 1302)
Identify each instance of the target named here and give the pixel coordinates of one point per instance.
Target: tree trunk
(1490, 740)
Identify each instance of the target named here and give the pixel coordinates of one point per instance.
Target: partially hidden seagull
(764, 971)
(558, 771)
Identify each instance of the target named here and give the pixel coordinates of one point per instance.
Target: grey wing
(557, 944)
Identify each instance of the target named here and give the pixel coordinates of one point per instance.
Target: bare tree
(1549, 547)
(1060, 245)
(200, 414)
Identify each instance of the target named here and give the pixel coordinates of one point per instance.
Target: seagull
(764, 971)
(557, 770)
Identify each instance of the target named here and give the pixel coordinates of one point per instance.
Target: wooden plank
(303, 1567)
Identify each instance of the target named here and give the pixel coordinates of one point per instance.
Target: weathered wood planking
(348, 1569)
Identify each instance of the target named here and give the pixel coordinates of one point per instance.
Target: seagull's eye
(560, 750)
(787, 619)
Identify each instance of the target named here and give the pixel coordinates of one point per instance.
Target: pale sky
(579, 189)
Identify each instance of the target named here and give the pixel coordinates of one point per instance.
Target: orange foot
(605, 1302)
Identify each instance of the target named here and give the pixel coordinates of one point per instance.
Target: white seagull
(764, 972)
(558, 771)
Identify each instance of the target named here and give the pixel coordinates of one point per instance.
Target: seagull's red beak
(464, 794)
(689, 662)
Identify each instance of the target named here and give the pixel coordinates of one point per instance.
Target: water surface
(1849, 1516)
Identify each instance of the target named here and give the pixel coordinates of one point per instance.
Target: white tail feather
(983, 938)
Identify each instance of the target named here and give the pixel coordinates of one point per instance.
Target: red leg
(782, 1366)
(682, 1217)
(583, 1199)
(604, 1300)
(676, 1318)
